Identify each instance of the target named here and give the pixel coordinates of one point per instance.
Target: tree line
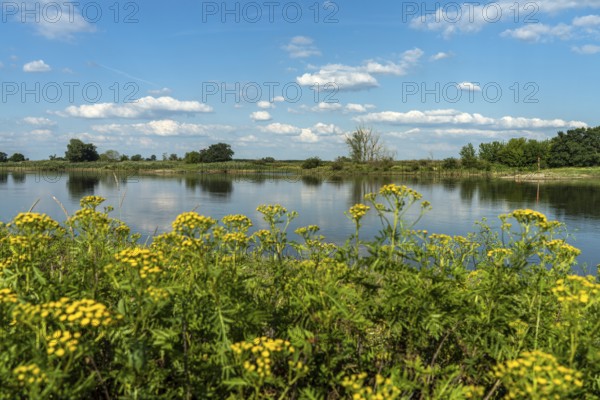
(578, 147)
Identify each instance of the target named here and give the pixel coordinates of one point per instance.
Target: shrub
(312, 162)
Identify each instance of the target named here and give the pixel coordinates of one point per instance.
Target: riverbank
(405, 167)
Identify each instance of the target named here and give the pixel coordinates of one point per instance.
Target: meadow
(217, 309)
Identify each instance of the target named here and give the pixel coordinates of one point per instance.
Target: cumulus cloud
(539, 32)
(326, 129)
(307, 136)
(36, 66)
(345, 77)
(146, 107)
(260, 116)
(439, 56)
(39, 121)
(265, 104)
(455, 117)
(280, 129)
(469, 86)
(160, 92)
(586, 49)
(301, 47)
(58, 20)
(587, 20)
(165, 127)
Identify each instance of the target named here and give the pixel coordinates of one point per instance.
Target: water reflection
(3, 177)
(19, 178)
(220, 186)
(80, 185)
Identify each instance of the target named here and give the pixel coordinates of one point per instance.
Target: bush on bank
(211, 310)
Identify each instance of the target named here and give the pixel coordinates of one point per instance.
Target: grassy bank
(406, 167)
(217, 309)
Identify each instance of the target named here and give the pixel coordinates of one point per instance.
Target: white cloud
(36, 66)
(307, 136)
(455, 117)
(160, 92)
(165, 127)
(357, 108)
(539, 32)
(41, 132)
(278, 99)
(404, 133)
(346, 77)
(39, 121)
(326, 129)
(265, 104)
(260, 116)
(469, 86)
(146, 107)
(586, 49)
(439, 56)
(301, 47)
(59, 20)
(587, 20)
(281, 129)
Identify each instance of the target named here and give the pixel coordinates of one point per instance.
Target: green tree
(17, 157)
(513, 153)
(137, 157)
(3, 157)
(110, 155)
(366, 146)
(77, 151)
(577, 148)
(490, 152)
(312, 162)
(173, 157)
(216, 153)
(468, 158)
(193, 157)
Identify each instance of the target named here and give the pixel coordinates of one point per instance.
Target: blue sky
(289, 79)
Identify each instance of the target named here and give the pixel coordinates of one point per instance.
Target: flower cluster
(399, 191)
(271, 209)
(189, 223)
(85, 312)
(235, 238)
(89, 216)
(561, 247)
(61, 342)
(384, 388)
(261, 351)
(358, 211)
(7, 296)
(31, 222)
(29, 374)
(528, 216)
(576, 289)
(157, 294)
(538, 373)
(147, 262)
(499, 254)
(239, 222)
(307, 230)
(91, 201)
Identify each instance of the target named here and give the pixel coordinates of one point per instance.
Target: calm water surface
(150, 203)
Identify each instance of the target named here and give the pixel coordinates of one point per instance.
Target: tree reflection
(19, 178)
(214, 185)
(80, 185)
(3, 177)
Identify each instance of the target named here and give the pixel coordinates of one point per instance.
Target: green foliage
(193, 157)
(77, 151)
(213, 309)
(312, 162)
(137, 157)
(3, 157)
(468, 158)
(577, 148)
(110, 155)
(491, 152)
(450, 163)
(216, 153)
(17, 157)
(268, 160)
